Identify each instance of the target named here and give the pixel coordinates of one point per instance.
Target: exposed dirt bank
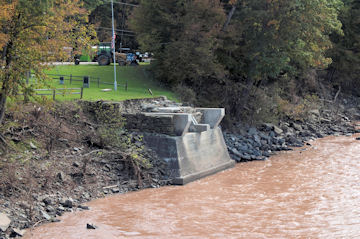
(61, 156)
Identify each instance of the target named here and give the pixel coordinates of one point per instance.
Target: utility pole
(113, 43)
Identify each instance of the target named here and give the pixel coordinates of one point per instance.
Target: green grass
(139, 81)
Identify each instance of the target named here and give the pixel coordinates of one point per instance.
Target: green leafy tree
(92, 4)
(270, 37)
(182, 36)
(345, 69)
(33, 33)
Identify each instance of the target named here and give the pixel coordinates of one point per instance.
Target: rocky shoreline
(24, 208)
(260, 143)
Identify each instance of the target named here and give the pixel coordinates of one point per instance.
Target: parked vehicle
(104, 55)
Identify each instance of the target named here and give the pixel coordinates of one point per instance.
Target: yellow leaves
(6, 9)
(6, 12)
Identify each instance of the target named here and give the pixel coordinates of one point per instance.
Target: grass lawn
(139, 82)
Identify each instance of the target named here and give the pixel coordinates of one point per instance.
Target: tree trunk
(229, 16)
(5, 83)
(3, 97)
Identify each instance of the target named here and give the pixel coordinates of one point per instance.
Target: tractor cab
(104, 53)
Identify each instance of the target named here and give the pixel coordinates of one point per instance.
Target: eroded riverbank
(311, 192)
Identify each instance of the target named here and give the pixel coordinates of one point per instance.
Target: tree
(345, 68)
(33, 33)
(182, 36)
(92, 4)
(270, 37)
(100, 16)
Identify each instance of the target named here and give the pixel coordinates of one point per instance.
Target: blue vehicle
(130, 57)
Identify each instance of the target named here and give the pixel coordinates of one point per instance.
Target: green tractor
(104, 56)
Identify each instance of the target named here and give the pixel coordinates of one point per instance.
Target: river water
(312, 192)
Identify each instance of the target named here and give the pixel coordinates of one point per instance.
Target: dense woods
(251, 56)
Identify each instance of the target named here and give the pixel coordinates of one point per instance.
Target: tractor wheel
(103, 60)
(121, 63)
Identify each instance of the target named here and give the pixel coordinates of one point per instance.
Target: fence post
(81, 92)
(70, 79)
(86, 82)
(98, 81)
(54, 93)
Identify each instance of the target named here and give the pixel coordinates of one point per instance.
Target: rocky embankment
(259, 143)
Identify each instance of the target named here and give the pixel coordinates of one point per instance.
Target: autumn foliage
(35, 32)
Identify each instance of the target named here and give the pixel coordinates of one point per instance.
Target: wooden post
(70, 79)
(54, 93)
(81, 92)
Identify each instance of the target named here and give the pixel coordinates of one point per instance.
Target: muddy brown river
(312, 192)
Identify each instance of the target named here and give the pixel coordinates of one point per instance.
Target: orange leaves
(6, 12)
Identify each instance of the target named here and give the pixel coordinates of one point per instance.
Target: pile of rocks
(45, 208)
(259, 143)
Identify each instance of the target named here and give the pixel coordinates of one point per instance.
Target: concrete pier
(197, 149)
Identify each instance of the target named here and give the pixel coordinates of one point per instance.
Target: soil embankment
(60, 157)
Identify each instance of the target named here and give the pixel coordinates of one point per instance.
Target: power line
(125, 34)
(118, 30)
